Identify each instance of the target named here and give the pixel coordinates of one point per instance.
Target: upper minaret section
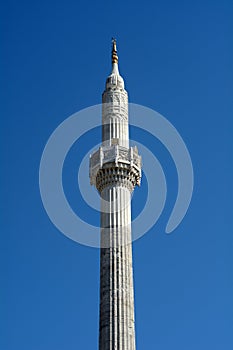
(115, 162)
(114, 80)
(115, 107)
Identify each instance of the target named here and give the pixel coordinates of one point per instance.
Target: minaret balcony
(116, 158)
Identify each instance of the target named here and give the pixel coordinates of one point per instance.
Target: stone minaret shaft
(115, 169)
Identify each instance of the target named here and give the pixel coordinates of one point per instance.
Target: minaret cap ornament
(114, 51)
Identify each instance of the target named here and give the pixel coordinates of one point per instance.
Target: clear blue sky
(176, 57)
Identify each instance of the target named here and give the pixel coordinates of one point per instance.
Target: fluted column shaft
(116, 275)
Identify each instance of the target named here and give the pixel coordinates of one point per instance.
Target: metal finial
(114, 51)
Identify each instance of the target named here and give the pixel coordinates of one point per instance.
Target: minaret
(115, 169)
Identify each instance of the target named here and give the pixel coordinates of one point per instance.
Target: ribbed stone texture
(116, 276)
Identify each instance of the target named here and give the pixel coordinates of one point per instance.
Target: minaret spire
(114, 79)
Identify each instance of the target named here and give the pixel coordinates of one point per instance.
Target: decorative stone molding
(115, 102)
(115, 165)
(123, 175)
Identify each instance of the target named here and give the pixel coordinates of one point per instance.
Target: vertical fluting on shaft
(115, 169)
(116, 274)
